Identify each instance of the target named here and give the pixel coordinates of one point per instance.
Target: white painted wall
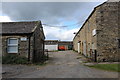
(51, 47)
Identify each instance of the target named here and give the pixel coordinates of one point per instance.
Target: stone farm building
(99, 37)
(23, 39)
(55, 45)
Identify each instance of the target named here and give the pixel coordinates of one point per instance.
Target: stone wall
(107, 26)
(90, 37)
(100, 33)
(22, 46)
(75, 44)
(33, 45)
(85, 36)
(37, 42)
(119, 29)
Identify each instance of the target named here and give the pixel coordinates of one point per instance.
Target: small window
(94, 32)
(12, 45)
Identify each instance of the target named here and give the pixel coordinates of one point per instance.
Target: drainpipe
(29, 44)
(29, 48)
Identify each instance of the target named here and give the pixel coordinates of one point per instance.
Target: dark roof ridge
(89, 17)
(21, 21)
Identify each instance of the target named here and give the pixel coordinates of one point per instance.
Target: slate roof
(18, 27)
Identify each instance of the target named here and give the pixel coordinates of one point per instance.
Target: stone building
(99, 37)
(23, 39)
(55, 45)
(51, 45)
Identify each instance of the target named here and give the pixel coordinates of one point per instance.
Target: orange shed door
(61, 47)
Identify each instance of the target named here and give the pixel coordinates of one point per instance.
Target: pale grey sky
(54, 14)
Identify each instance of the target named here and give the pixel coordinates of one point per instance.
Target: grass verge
(108, 67)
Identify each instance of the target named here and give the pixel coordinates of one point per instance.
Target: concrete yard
(62, 64)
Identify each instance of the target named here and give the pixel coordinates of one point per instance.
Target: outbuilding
(99, 38)
(55, 45)
(51, 45)
(23, 39)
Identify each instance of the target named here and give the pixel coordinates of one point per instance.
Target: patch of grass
(85, 61)
(14, 59)
(109, 67)
(75, 51)
(53, 51)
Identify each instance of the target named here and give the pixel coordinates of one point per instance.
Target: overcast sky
(55, 14)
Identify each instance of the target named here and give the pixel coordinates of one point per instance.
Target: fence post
(47, 55)
(95, 56)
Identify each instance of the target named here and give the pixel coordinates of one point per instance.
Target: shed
(23, 39)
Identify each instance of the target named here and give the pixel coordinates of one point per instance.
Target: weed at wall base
(14, 59)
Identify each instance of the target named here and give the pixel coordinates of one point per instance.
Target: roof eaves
(16, 33)
(37, 23)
